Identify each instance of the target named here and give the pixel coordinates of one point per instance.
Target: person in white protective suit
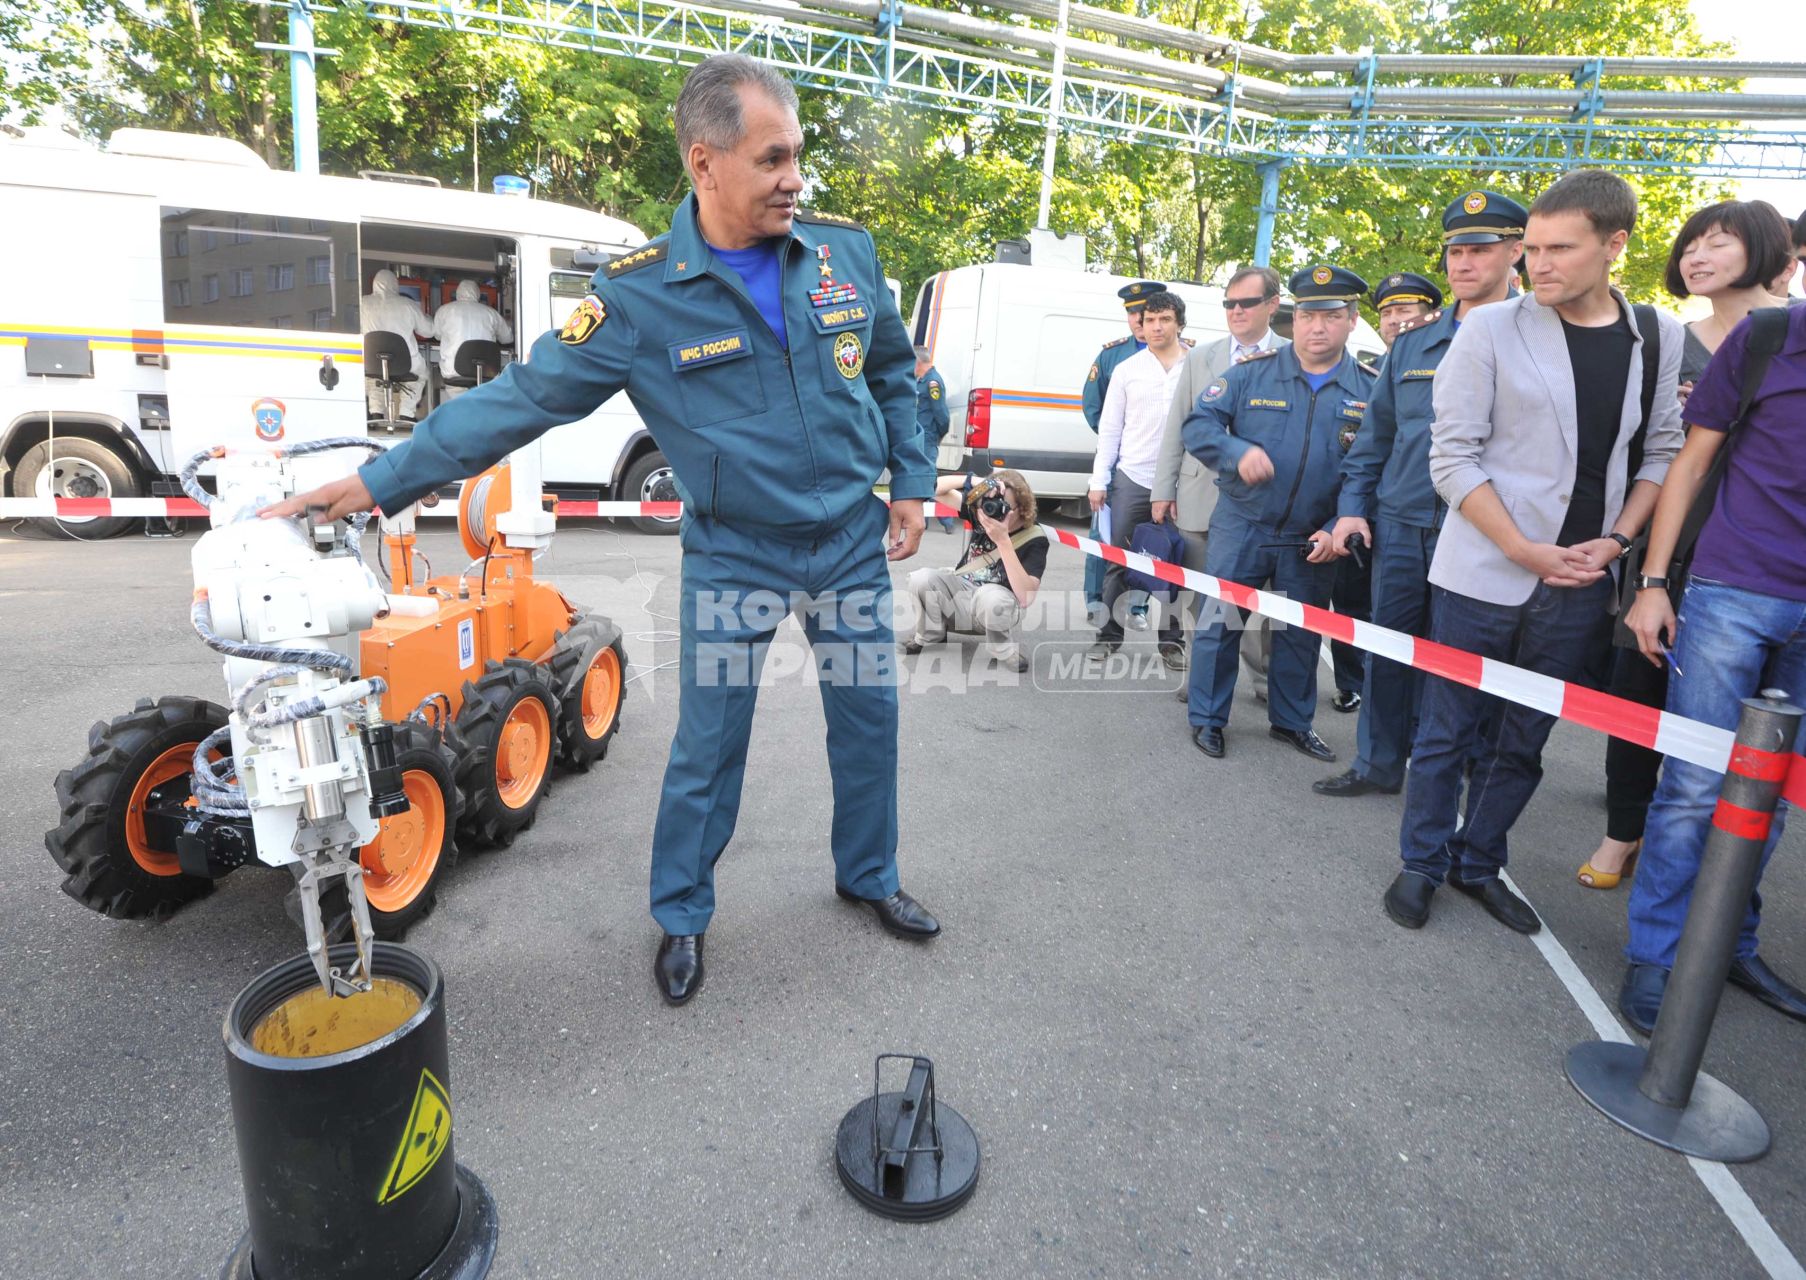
(388, 309)
(467, 318)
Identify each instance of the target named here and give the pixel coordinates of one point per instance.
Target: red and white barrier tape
(1702, 744)
(1705, 745)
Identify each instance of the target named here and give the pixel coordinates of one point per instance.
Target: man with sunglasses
(1185, 490)
(1386, 494)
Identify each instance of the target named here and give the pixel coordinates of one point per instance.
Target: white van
(173, 292)
(1015, 342)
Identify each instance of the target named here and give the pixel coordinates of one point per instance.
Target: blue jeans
(1390, 696)
(1730, 643)
(1545, 634)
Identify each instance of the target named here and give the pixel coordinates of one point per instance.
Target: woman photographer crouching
(997, 574)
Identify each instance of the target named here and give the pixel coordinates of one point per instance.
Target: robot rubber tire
(100, 841)
(504, 736)
(410, 858)
(589, 667)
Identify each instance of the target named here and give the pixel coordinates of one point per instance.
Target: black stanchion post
(1661, 1094)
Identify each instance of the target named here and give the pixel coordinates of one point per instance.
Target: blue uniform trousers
(1391, 692)
(738, 586)
(1235, 552)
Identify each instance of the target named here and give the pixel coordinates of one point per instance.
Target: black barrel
(343, 1114)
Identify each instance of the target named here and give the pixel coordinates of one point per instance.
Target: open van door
(261, 334)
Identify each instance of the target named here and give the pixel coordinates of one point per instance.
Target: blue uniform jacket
(1266, 401)
(1387, 470)
(790, 441)
(932, 414)
(1097, 382)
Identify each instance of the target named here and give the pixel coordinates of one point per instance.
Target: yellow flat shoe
(1594, 879)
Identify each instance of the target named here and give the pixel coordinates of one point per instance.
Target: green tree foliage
(938, 189)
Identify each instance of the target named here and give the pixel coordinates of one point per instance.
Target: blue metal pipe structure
(303, 95)
(1269, 212)
(957, 63)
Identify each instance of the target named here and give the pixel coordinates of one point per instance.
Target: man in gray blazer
(1537, 403)
(1184, 490)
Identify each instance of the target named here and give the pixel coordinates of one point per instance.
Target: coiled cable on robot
(190, 475)
(201, 615)
(208, 782)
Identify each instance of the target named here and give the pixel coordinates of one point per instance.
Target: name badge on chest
(712, 348)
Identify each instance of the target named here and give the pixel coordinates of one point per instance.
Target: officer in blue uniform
(1097, 384)
(1403, 296)
(759, 346)
(1386, 494)
(1271, 428)
(932, 413)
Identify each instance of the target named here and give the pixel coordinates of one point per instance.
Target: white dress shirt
(1239, 352)
(1134, 419)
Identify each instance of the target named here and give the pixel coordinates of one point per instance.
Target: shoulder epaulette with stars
(1258, 355)
(1117, 343)
(828, 219)
(644, 256)
(1419, 322)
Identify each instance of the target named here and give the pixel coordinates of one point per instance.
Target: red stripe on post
(1745, 824)
(1451, 664)
(186, 507)
(1617, 717)
(1763, 766)
(84, 506)
(1325, 622)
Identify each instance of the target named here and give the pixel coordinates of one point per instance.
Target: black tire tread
(414, 736)
(485, 820)
(88, 841)
(572, 653)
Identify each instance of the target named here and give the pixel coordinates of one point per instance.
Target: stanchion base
(468, 1255)
(1717, 1124)
(933, 1188)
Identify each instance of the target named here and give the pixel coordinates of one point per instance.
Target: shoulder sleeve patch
(583, 322)
(1214, 391)
(827, 219)
(644, 256)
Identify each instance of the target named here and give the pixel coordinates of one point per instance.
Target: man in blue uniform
(932, 414)
(1097, 385)
(1386, 493)
(759, 345)
(1271, 428)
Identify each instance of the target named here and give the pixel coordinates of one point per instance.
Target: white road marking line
(1774, 1255)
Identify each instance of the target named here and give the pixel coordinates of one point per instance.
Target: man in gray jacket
(1537, 402)
(1185, 490)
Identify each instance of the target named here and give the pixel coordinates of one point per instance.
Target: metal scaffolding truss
(951, 62)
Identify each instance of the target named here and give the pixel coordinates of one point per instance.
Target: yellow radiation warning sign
(425, 1139)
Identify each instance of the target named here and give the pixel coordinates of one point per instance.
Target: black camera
(989, 497)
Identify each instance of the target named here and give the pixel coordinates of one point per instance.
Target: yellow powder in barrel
(313, 1024)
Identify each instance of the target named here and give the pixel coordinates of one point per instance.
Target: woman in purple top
(1741, 629)
(1726, 253)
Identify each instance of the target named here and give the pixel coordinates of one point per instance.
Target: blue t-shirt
(758, 268)
(1318, 381)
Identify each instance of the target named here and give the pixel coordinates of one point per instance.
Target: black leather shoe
(1346, 702)
(1408, 899)
(899, 914)
(1501, 904)
(1209, 740)
(1350, 783)
(1306, 741)
(1640, 998)
(677, 969)
(1173, 654)
(1102, 649)
(1769, 987)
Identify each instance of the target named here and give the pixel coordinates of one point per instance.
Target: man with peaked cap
(1386, 493)
(1402, 296)
(1271, 429)
(1097, 384)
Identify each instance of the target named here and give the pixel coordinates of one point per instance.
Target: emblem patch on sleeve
(1215, 389)
(934, 391)
(584, 322)
(849, 355)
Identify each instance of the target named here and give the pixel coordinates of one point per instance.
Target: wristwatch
(1622, 541)
(1645, 582)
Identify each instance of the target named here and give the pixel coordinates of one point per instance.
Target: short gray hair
(708, 106)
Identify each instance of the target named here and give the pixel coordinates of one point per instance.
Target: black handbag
(1768, 331)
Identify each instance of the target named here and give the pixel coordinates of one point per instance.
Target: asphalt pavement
(1166, 996)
